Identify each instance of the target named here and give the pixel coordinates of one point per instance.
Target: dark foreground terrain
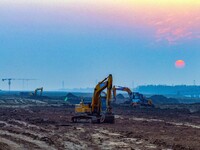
(46, 126)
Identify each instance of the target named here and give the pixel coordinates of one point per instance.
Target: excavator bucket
(107, 118)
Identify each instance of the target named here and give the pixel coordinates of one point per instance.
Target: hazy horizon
(90, 89)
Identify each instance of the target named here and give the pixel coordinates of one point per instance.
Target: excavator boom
(120, 88)
(106, 83)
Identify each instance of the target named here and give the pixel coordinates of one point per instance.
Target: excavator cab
(82, 107)
(140, 99)
(135, 99)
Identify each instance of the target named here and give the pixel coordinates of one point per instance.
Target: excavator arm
(96, 101)
(120, 88)
(38, 89)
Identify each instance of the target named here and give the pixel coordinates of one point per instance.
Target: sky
(81, 42)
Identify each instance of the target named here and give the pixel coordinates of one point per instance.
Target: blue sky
(52, 45)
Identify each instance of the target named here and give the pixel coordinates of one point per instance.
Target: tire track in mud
(116, 140)
(165, 133)
(93, 137)
(21, 135)
(186, 124)
(26, 141)
(8, 144)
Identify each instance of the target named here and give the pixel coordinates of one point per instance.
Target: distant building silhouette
(176, 90)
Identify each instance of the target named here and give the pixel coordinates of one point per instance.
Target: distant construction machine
(135, 98)
(36, 91)
(93, 111)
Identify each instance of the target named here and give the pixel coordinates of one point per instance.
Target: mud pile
(72, 99)
(120, 96)
(160, 99)
(120, 99)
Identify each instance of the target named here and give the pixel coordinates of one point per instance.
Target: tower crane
(10, 79)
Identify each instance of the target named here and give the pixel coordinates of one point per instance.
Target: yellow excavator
(136, 99)
(93, 111)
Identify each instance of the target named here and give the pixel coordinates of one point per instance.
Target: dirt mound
(120, 96)
(72, 99)
(70, 95)
(160, 99)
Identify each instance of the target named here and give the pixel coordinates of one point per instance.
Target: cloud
(149, 18)
(175, 26)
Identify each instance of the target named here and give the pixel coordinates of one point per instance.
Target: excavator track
(76, 119)
(108, 118)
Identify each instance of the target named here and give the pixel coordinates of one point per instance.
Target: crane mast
(10, 79)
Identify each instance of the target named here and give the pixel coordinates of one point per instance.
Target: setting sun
(179, 64)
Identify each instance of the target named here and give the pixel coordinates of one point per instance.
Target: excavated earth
(49, 127)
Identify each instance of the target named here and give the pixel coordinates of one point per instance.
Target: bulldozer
(93, 111)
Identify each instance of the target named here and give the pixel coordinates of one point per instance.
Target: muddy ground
(49, 127)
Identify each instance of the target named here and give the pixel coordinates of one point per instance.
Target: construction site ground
(43, 125)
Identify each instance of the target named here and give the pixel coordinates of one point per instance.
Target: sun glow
(179, 64)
